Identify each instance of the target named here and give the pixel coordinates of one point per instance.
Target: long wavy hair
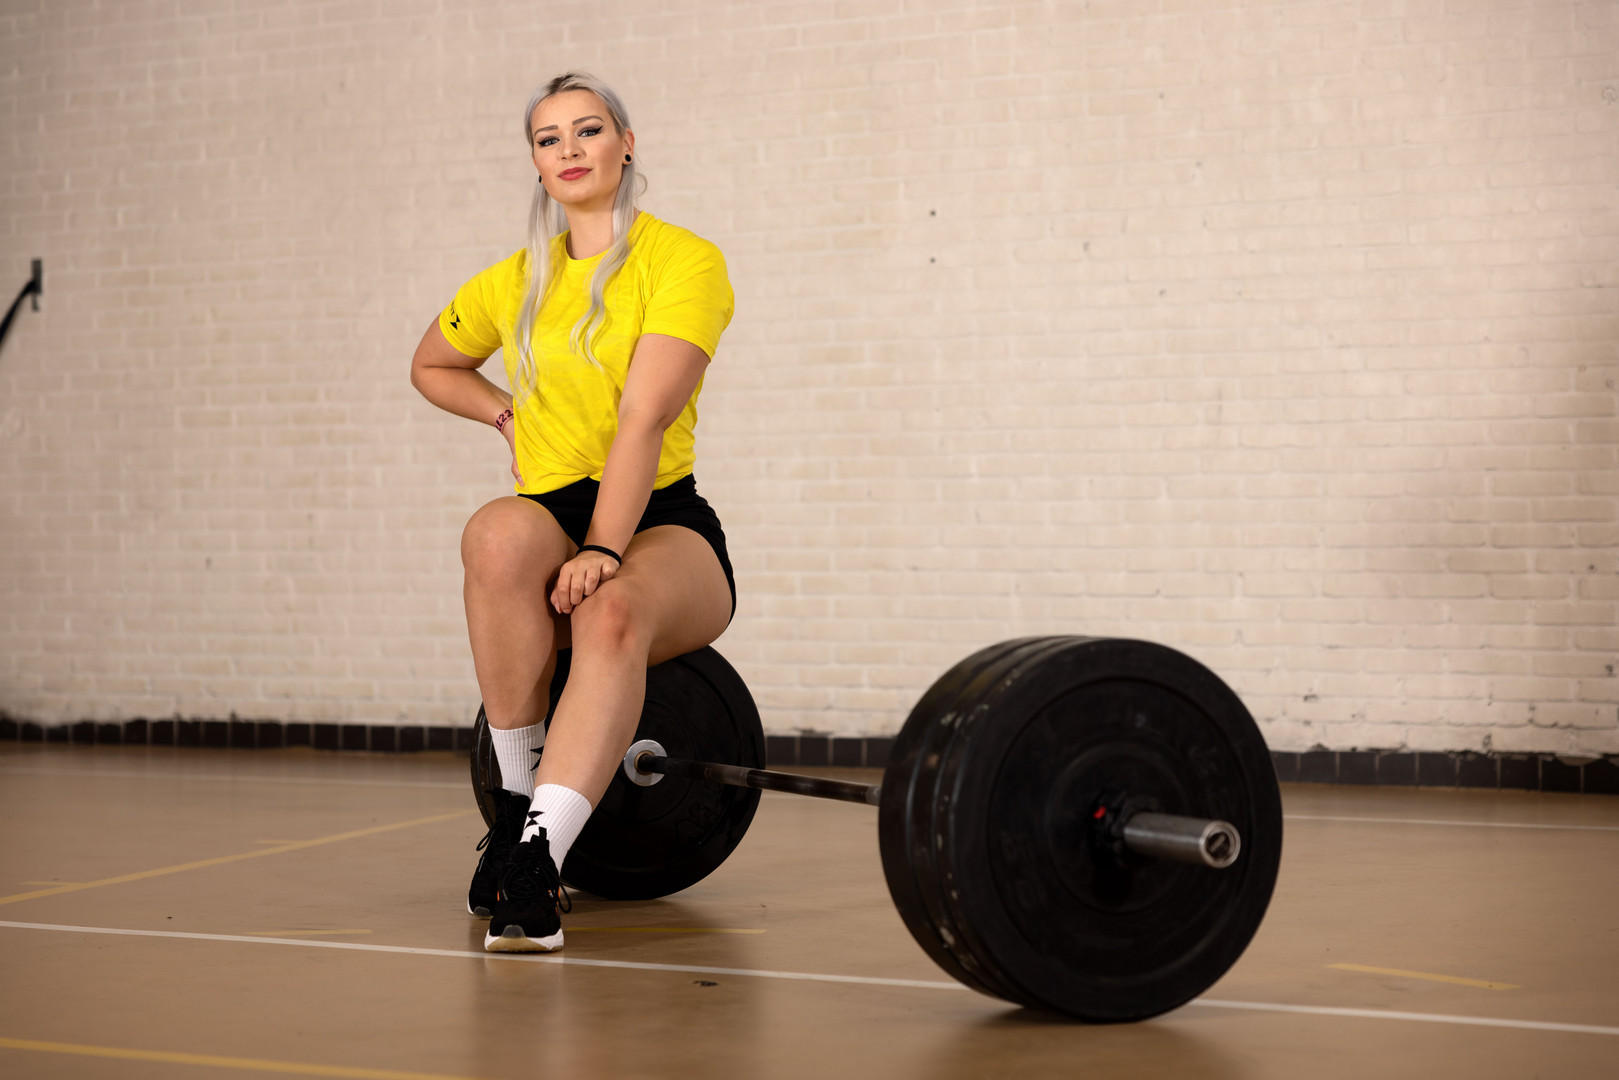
(547, 219)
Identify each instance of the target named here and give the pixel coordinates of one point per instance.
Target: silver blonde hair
(547, 220)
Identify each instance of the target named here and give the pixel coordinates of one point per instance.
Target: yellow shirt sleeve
(472, 321)
(691, 296)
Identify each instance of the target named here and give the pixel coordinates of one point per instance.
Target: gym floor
(174, 913)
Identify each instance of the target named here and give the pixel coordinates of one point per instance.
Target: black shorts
(677, 504)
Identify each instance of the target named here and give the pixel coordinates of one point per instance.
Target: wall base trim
(1387, 768)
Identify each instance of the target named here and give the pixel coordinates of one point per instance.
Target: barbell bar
(1190, 840)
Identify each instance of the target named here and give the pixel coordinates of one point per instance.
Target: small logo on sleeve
(455, 318)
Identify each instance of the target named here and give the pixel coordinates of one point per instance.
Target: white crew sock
(517, 750)
(561, 812)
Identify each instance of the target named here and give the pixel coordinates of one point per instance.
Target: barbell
(1090, 826)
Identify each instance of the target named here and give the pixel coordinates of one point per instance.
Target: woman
(606, 547)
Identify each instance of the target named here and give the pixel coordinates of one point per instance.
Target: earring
(626, 159)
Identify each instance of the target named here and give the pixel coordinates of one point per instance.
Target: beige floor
(296, 913)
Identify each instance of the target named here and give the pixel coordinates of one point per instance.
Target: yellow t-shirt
(673, 283)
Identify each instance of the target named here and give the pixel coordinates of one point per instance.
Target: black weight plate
(1029, 893)
(1076, 929)
(935, 798)
(938, 887)
(906, 853)
(645, 842)
(907, 795)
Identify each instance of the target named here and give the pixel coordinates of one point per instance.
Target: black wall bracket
(35, 288)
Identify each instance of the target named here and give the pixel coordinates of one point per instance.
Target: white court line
(1447, 821)
(531, 958)
(463, 785)
(804, 976)
(1426, 1018)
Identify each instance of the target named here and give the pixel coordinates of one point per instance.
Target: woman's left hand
(579, 577)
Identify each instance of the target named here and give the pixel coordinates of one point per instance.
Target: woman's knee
(607, 622)
(511, 539)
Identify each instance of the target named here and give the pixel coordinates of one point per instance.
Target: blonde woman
(606, 320)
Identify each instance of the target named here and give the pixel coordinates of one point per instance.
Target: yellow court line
(1458, 980)
(296, 1068)
(301, 933)
(221, 860)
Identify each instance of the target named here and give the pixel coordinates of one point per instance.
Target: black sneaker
(525, 917)
(496, 845)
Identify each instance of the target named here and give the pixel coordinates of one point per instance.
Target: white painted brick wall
(1283, 332)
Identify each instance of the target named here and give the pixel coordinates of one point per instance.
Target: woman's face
(578, 152)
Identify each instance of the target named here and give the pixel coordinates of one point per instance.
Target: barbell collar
(1196, 841)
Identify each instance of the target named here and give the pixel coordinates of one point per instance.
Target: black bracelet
(605, 551)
